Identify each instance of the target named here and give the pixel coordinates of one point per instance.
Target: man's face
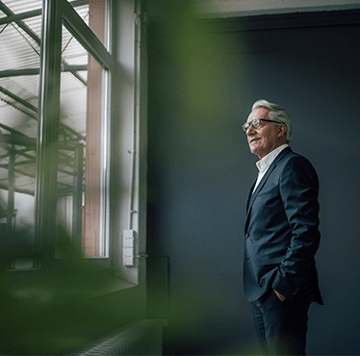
(267, 136)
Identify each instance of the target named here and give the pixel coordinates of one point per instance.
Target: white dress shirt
(265, 163)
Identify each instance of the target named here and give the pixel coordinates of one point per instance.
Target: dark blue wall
(201, 89)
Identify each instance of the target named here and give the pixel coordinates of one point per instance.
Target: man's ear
(282, 130)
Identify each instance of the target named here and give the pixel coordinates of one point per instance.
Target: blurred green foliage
(57, 307)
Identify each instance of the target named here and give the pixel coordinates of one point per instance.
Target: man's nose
(250, 131)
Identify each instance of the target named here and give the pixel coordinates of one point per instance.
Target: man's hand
(279, 295)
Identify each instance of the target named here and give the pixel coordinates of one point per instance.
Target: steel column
(47, 144)
(11, 193)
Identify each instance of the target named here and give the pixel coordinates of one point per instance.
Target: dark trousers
(281, 326)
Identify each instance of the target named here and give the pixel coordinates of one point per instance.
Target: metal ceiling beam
(33, 35)
(19, 171)
(66, 185)
(68, 189)
(21, 163)
(30, 142)
(65, 171)
(75, 133)
(29, 161)
(63, 158)
(32, 161)
(20, 23)
(19, 153)
(18, 140)
(18, 99)
(18, 17)
(4, 156)
(12, 104)
(18, 190)
(26, 155)
(36, 71)
(33, 13)
(23, 152)
(10, 129)
(19, 72)
(34, 109)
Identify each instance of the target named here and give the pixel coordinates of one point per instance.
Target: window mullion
(49, 112)
(86, 37)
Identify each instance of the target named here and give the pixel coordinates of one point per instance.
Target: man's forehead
(259, 113)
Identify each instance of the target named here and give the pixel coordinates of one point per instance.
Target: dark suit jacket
(281, 230)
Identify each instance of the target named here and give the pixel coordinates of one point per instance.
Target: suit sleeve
(299, 189)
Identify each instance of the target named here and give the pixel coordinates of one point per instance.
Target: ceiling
(238, 8)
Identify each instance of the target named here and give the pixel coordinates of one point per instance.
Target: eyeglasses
(256, 123)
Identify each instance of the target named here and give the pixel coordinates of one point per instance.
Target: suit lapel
(252, 197)
(249, 196)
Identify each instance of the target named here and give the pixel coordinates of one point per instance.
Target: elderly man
(281, 234)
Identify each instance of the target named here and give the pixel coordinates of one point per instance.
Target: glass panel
(80, 187)
(19, 87)
(21, 6)
(83, 11)
(94, 14)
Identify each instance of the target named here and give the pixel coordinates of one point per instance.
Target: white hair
(277, 113)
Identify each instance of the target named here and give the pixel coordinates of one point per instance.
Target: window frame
(55, 15)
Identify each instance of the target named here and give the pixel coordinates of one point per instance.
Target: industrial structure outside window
(54, 125)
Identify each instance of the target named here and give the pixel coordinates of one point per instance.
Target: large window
(54, 125)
